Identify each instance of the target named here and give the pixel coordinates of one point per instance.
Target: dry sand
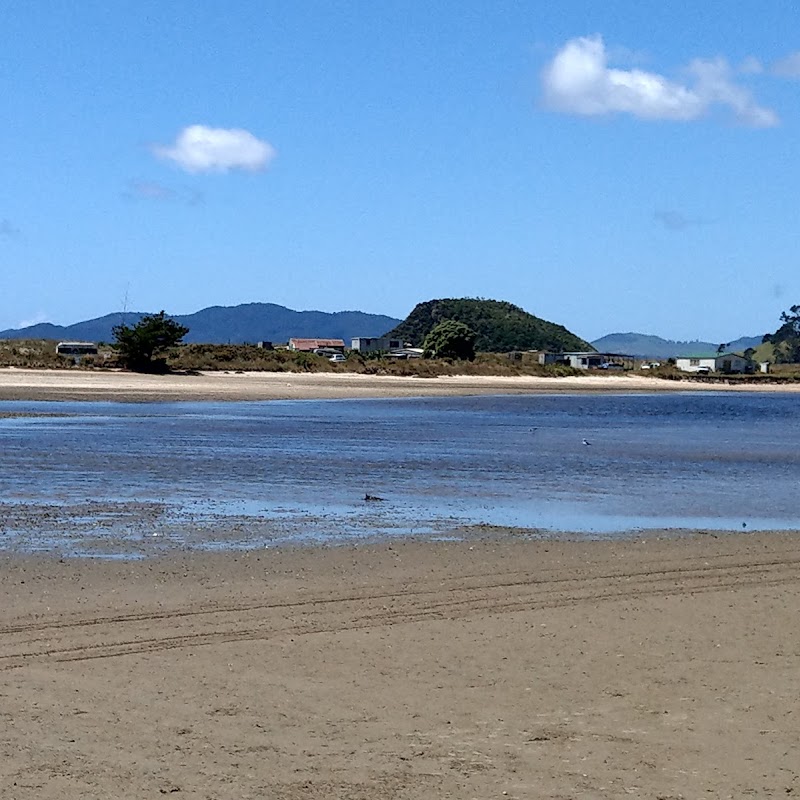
(510, 669)
(30, 384)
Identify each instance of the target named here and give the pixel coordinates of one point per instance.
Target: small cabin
(310, 345)
(586, 360)
(76, 349)
(375, 344)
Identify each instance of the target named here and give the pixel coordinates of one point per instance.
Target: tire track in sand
(108, 636)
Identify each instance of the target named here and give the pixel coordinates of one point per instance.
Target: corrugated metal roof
(313, 344)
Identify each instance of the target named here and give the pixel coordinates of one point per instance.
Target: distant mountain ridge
(511, 328)
(643, 345)
(249, 322)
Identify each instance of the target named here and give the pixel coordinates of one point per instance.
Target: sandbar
(116, 386)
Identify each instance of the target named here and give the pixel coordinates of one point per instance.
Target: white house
(585, 360)
(727, 363)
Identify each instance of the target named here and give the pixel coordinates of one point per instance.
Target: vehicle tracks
(81, 638)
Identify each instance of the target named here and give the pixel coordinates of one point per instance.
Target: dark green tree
(141, 347)
(450, 339)
(786, 340)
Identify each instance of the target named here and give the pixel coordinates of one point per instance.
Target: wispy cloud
(676, 220)
(751, 66)
(153, 191)
(202, 149)
(9, 230)
(39, 316)
(149, 190)
(788, 67)
(580, 81)
(715, 86)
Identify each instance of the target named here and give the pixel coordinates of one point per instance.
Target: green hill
(501, 327)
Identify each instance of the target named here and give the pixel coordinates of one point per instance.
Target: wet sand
(656, 668)
(24, 384)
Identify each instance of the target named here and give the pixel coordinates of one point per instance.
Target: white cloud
(579, 81)
(202, 149)
(788, 67)
(716, 87)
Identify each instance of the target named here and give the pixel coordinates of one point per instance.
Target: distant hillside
(501, 326)
(251, 322)
(644, 346)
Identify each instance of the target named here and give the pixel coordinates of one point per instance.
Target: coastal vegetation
(232, 358)
(189, 358)
(41, 354)
(35, 354)
(499, 327)
(783, 346)
(450, 339)
(143, 347)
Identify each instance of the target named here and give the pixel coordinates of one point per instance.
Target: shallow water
(250, 474)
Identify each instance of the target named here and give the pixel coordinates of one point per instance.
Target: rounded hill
(500, 326)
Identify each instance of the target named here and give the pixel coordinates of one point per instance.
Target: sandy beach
(660, 668)
(31, 384)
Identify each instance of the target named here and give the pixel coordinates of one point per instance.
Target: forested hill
(501, 327)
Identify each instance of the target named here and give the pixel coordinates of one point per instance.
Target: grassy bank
(41, 354)
(33, 354)
(247, 358)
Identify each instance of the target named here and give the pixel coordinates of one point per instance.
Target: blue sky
(612, 167)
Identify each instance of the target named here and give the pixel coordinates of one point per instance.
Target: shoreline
(74, 385)
(146, 531)
(653, 667)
